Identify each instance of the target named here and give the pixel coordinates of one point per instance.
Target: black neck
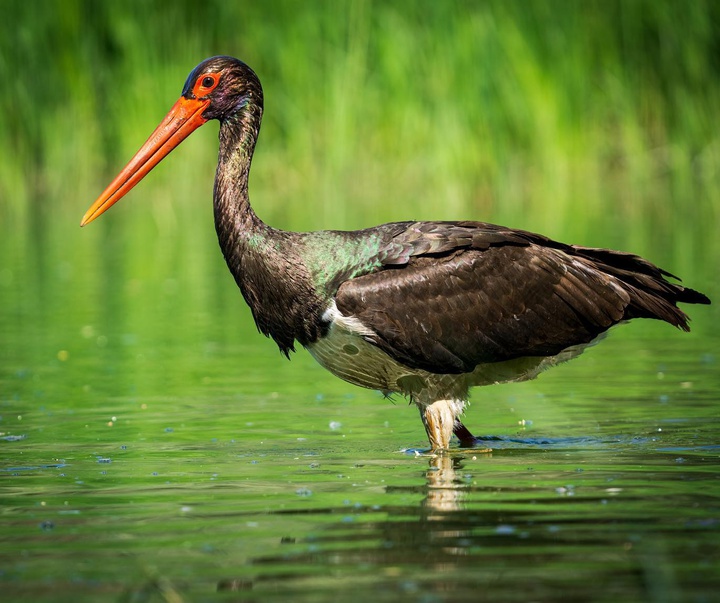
(238, 136)
(265, 262)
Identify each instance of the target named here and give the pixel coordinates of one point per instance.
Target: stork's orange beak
(182, 120)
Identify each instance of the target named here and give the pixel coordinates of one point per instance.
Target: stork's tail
(651, 294)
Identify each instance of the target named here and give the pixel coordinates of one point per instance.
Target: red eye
(205, 84)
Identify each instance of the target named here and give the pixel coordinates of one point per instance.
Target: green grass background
(595, 122)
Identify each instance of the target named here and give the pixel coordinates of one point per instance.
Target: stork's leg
(463, 434)
(439, 419)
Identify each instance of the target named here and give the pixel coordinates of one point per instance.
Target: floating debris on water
(13, 438)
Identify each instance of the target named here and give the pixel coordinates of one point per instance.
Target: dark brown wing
(447, 307)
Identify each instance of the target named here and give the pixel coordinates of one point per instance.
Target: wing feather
(448, 296)
(449, 314)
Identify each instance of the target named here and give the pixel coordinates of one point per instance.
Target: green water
(156, 448)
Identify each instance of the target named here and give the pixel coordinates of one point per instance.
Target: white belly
(347, 353)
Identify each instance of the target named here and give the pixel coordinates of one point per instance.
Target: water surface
(156, 448)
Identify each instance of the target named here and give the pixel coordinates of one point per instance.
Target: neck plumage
(264, 261)
(238, 135)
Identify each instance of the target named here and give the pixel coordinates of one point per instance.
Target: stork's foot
(462, 433)
(440, 419)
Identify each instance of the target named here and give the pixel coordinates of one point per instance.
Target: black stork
(424, 309)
